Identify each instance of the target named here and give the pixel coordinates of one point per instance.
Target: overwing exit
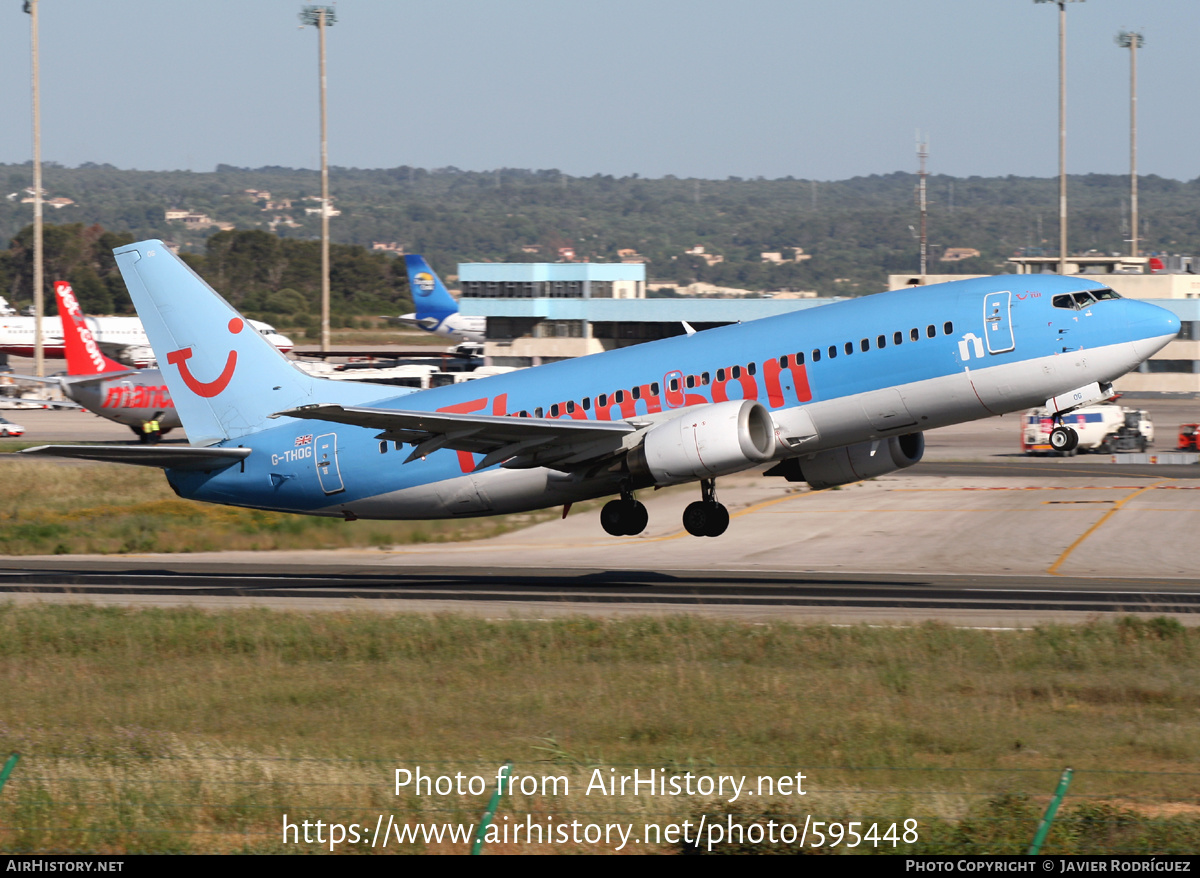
(828, 396)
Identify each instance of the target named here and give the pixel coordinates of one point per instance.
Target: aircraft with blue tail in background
(437, 311)
(828, 395)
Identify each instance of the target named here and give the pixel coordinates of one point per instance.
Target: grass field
(215, 723)
(56, 507)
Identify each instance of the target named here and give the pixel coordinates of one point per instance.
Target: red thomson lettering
(466, 460)
(800, 377)
(749, 385)
(771, 372)
(651, 399)
(673, 389)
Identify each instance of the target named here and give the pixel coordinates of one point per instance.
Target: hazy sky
(708, 88)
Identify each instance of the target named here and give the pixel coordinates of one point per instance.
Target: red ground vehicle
(1189, 434)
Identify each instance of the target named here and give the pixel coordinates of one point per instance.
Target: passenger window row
(733, 373)
(881, 341)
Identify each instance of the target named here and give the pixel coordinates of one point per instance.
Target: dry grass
(186, 708)
(73, 508)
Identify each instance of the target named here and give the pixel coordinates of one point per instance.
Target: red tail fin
(84, 356)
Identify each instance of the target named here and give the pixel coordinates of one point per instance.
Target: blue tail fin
(429, 294)
(225, 378)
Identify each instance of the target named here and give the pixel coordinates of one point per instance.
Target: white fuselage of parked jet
(123, 337)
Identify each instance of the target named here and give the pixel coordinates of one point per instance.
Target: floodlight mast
(39, 354)
(1132, 40)
(1062, 130)
(322, 17)
(922, 154)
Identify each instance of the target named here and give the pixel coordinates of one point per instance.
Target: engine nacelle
(853, 463)
(704, 442)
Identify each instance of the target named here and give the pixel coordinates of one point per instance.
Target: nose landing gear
(706, 517)
(1063, 439)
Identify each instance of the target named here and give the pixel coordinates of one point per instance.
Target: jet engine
(704, 442)
(853, 463)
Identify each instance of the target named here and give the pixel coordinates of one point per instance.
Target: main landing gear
(706, 517)
(625, 517)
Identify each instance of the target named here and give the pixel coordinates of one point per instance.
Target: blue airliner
(437, 310)
(828, 395)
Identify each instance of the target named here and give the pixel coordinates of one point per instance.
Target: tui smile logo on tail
(207, 389)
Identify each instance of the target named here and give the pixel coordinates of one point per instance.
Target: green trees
(256, 271)
(856, 230)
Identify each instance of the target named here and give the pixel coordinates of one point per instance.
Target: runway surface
(538, 592)
(977, 534)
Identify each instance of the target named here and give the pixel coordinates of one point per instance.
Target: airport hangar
(544, 312)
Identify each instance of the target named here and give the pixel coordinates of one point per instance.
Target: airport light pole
(1062, 130)
(39, 358)
(1132, 40)
(322, 17)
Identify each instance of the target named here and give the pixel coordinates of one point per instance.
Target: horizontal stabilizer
(62, 380)
(171, 457)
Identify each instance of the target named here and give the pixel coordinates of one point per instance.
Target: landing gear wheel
(637, 519)
(624, 518)
(705, 518)
(611, 518)
(1063, 439)
(695, 519)
(718, 520)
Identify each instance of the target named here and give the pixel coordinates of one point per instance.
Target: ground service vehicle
(8, 428)
(1100, 428)
(1188, 436)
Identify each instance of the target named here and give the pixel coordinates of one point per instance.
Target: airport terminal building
(542, 312)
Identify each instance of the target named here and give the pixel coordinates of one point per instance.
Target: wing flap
(183, 457)
(514, 440)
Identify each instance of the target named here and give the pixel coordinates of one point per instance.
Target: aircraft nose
(1151, 326)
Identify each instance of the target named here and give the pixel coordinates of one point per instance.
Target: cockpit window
(1082, 299)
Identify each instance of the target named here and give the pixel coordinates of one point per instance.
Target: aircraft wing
(175, 457)
(520, 443)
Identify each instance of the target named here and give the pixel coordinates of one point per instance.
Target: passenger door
(997, 322)
(328, 472)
